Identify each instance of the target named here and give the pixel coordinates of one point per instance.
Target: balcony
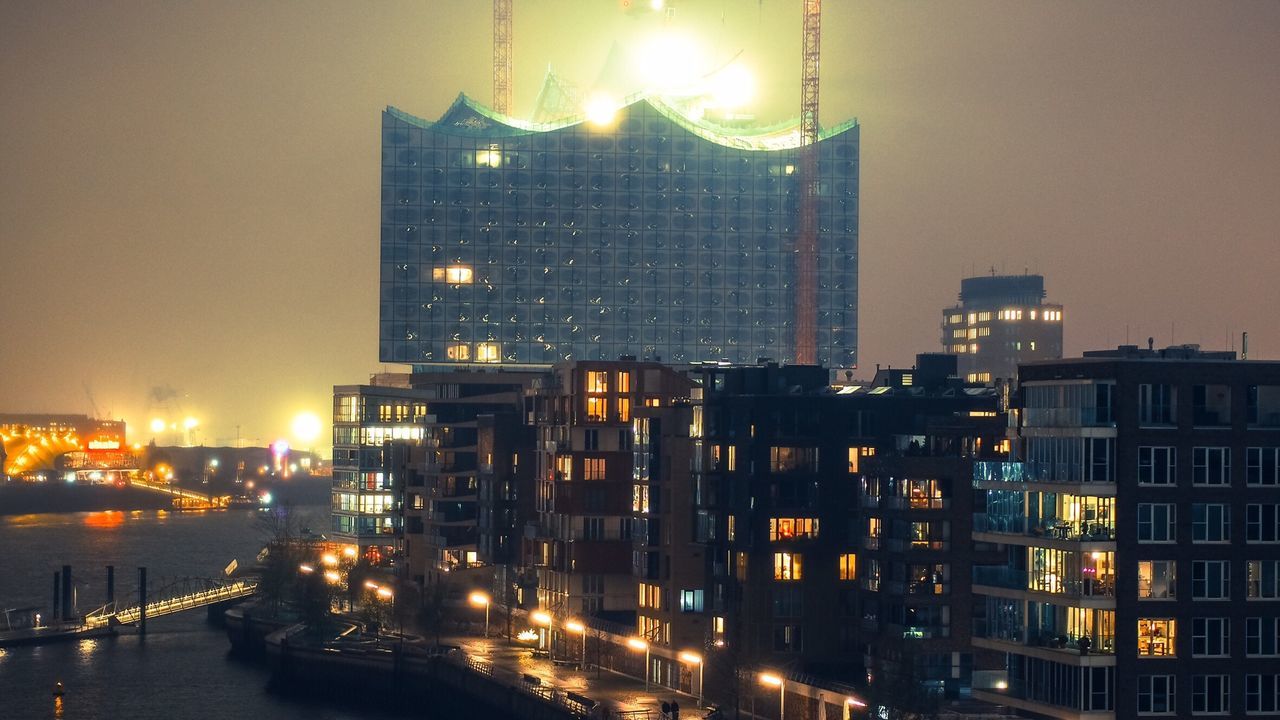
(1068, 417)
(993, 475)
(1044, 528)
(1083, 592)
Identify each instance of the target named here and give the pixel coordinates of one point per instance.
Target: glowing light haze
(189, 190)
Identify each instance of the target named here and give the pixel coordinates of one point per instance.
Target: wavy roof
(469, 117)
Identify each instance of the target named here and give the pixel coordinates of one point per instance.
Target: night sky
(189, 190)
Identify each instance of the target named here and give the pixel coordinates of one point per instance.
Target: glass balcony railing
(1068, 417)
(1051, 528)
(1032, 472)
(1015, 579)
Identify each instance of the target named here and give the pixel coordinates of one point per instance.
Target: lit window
(787, 566)
(792, 528)
(596, 409)
(593, 468)
(1157, 638)
(489, 158)
(454, 274)
(624, 409)
(487, 352)
(848, 566)
(624, 382)
(597, 381)
(858, 452)
(1157, 579)
(458, 351)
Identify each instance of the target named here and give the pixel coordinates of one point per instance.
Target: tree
(898, 691)
(431, 613)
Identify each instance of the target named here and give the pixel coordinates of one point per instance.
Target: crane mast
(806, 290)
(502, 56)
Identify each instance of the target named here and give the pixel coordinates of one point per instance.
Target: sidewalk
(618, 693)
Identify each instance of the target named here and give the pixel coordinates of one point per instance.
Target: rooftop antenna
(1244, 346)
(806, 290)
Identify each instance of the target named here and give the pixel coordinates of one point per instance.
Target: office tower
(1000, 322)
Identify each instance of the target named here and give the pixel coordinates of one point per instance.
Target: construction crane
(502, 56)
(806, 287)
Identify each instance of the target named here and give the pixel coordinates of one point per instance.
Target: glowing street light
(306, 569)
(478, 598)
(332, 577)
(849, 704)
(329, 559)
(157, 425)
(694, 658)
(574, 626)
(638, 644)
(384, 593)
(775, 681)
(540, 617)
(349, 552)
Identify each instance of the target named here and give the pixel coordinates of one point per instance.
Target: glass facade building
(655, 235)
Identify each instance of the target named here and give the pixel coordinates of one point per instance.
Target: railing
(1014, 579)
(1068, 417)
(1046, 528)
(1029, 472)
(181, 598)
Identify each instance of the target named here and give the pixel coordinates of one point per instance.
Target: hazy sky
(189, 190)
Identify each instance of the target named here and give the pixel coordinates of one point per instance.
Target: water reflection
(105, 520)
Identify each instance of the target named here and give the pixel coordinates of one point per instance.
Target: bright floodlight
(670, 62)
(601, 109)
(770, 679)
(190, 423)
(384, 593)
(306, 427)
(574, 626)
(657, 4)
(733, 86)
(157, 425)
(637, 644)
(692, 658)
(541, 618)
(479, 599)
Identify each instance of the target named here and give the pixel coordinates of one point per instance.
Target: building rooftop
(469, 117)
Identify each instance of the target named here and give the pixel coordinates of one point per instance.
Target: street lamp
(574, 626)
(306, 569)
(478, 598)
(540, 617)
(638, 644)
(694, 658)
(775, 681)
(849, 704)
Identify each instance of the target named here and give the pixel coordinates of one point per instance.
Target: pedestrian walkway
(623, 696)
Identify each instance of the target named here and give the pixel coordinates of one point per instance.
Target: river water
(181, 669)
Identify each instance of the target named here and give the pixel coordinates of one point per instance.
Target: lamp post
(694, 658)
(574, 626)
(478, 598)
(542, 618)
(775, 681)
(638, 644)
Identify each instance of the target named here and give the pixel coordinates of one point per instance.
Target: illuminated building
(1001, 321)
(1142, 528)
(646, 231)
(581, 545)
(834, 521)
(405, 465)
(39, 442)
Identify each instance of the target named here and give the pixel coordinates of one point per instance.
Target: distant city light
(157, 425)
(280, 448)
(306, 427)
(265, 499)
(190, 423)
